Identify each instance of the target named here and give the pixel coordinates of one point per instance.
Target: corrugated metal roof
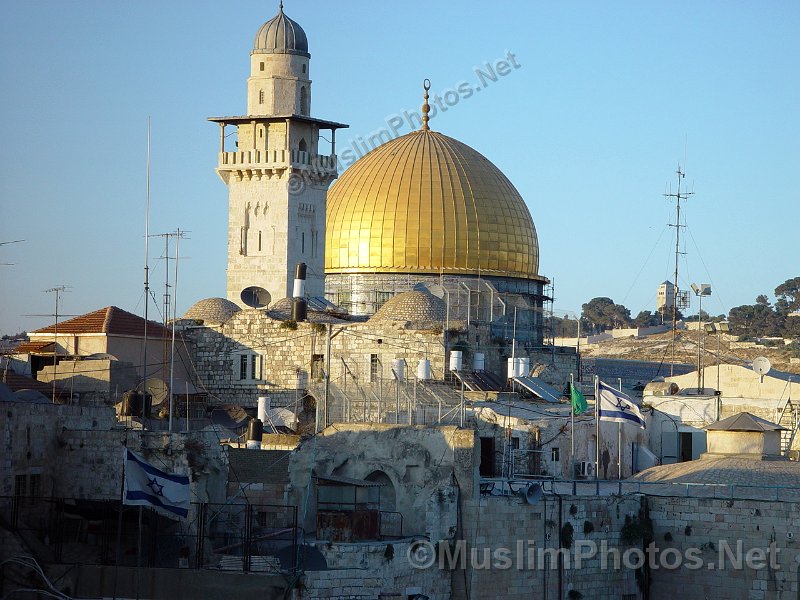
(744, 421)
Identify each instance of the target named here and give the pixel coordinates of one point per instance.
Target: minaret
(277, 179)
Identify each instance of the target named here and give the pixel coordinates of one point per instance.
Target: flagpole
(597, 426)
(619, 440)
(572, 427)
(119, 518)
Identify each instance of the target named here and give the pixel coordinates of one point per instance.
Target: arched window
(388, 497)
(303, 101)
(302, 146)
(261, 97)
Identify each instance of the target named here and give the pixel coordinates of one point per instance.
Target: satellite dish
(158, 390)
(761, 365)
(282, 417)
(255, 297)
(532, 493)
(437, 290)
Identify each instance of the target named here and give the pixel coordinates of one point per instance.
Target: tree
(789, 292)
(647, 319)
(602, 313)
(762, 300)
(754, 320)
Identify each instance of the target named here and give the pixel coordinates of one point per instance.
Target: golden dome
(426, 203)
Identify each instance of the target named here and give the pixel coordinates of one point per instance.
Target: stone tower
(277, 177)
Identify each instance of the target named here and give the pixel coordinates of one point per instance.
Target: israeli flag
(149, 486)
(617, 406)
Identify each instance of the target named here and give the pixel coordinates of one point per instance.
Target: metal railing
(722, 491)
(231, 537)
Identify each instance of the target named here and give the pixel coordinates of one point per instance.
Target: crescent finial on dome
(426, 84)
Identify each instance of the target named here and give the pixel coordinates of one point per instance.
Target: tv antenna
(679, 297)
(57, 290)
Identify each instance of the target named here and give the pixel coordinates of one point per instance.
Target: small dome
(281, 35)
(413, 306)
(212, 311)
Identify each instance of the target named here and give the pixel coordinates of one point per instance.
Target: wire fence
(230, 537)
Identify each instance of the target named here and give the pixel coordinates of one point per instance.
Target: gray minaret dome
(281, 35)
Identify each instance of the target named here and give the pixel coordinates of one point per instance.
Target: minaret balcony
(277, 160)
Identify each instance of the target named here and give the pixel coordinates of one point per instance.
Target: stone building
(276, 172)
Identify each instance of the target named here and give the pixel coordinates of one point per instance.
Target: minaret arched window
(302, 146)
(303, 101)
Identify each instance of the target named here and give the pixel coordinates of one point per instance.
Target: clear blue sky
(609, 97)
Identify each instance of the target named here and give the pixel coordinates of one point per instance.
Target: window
(243, 366)
(374, 363)
(304, 68)
(259, 241)
(261, 66)
(261, 97)
(317, 366)
(515, 443)
(254, 367)
(19, 485)
(302, 146)
(303, 101)
(303, 243)
(555, 455)
(34, 484)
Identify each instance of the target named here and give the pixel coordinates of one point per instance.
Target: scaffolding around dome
(489, 301)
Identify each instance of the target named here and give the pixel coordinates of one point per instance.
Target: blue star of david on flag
(158, 490)
(149, 486)
(617, 406)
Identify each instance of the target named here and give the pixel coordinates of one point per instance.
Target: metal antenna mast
(146, 259)
(678, 296)
(57, 290)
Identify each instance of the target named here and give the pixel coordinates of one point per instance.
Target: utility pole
(677, 296)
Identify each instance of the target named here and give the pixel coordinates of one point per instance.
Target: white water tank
(399, 369)
(519, 367)
(263, 408)
(424, 370)
(524, 366)
(479, 361)
(455, 360)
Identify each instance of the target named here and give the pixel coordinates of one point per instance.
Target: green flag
(579, 404)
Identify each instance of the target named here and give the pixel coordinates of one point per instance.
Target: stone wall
(291, 359)
(373, 570)
(704, 524)
(419, 462)
(531, 534)
(76, 452)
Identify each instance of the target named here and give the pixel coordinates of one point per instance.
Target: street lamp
(718, 328)
(704, 289)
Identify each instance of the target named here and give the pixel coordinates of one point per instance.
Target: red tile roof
(109, 320)
(32, 347)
